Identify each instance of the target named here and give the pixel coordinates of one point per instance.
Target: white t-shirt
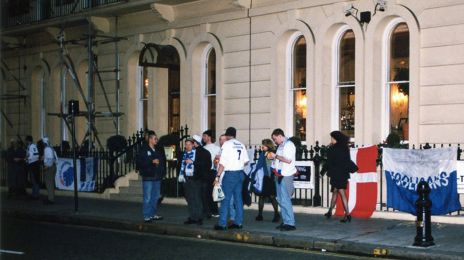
(213, 150)
(287, 150)
(234, 155)
(32, 154)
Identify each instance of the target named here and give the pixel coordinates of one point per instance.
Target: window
(210, 90)
(298, 89)
(398, 81)
(144, 97)
(345, 88)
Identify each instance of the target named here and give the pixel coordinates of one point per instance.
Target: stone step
(130, 190)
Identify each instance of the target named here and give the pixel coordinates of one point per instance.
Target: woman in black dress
(269, 190)
(337, 167)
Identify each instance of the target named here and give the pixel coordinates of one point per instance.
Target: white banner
(305, 177)
(64, 178)
(460, 176)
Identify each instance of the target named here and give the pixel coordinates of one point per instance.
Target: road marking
(11, 252)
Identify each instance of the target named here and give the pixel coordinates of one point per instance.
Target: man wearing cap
(195, 167)
(233, 159)
(152, 168)
(49, 166)
(211, 207)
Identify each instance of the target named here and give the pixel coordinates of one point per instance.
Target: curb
(392, 215)
(258, 238)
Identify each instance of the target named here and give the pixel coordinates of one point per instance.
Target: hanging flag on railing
(404, 169)
(362, 185)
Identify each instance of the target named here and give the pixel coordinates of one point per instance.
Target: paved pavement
(361, 237)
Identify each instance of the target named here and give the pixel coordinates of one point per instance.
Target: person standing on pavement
(234, 157)
(231, 216)
(194, 170)
(269, 187)
(338, 157)
(33, 166)
(284, 168)
(214, 150)
(152, 168)
(16, 176)
(49, 169)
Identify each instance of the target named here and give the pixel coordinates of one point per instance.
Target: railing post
(317, 161)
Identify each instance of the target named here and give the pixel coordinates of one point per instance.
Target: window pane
(299, 63)
(399, 111)
(211, 89)
(299, 115)
(399, 76)
(299, 95)
(399, 53)
(346, 105)
(212, 113)
(347, 58)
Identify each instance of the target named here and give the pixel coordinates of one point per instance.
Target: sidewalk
(314, 232)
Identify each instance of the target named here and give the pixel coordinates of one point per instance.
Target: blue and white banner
(304, 179)
(64, 178)
(405, 168)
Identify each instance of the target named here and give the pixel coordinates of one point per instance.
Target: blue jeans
(151, 194)
(232, 186)
(284, 197)
(232, 209)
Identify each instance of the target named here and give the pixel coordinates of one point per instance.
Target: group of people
(203, 165)
(31, 159)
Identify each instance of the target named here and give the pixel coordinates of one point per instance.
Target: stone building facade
(306, 66)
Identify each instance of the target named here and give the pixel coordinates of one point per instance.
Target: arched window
(298, 90)
(210, 90)
(397, 88)
(345, 88)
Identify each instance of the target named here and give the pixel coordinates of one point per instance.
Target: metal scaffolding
(91, 40)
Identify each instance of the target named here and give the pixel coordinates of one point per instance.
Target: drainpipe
(249, 76)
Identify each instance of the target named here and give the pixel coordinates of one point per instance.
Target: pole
(76, 203)
(90, 107)
(73, 110)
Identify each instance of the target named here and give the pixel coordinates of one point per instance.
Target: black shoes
(347, 218)
(48, 202)
(157, 217)
(217, 227)
(259, 218)
(280, 226)
(190, 221)
(286, 227)
(276, 218)
(328, 214)
(235, 226)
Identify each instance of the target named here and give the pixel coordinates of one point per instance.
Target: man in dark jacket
(195, 167)
(152, 167)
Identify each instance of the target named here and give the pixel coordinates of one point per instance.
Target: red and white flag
(362, 185)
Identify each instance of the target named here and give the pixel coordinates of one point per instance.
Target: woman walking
(268, 189)
(338, 169)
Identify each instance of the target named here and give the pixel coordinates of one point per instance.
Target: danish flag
(362, 185)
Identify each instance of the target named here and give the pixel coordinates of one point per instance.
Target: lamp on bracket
(365, 16)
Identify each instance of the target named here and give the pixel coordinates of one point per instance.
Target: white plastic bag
(181, 178)
(218, 194)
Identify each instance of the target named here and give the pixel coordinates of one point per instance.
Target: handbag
(218, 194)
(352, 167)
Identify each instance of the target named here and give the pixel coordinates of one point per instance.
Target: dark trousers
(34, 173)
(193, 196)
(210, 207)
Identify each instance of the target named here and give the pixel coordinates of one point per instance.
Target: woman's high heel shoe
(347, 218)
(328, 214)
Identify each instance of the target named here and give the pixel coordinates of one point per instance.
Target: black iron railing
(18, 12)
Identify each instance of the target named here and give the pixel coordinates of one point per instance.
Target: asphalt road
(21, 239)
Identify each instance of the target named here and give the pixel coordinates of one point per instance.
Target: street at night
(40, 240)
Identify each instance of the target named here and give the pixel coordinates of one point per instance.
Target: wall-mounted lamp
(365, 17)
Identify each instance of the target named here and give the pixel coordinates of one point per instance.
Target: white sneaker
(156, 217)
